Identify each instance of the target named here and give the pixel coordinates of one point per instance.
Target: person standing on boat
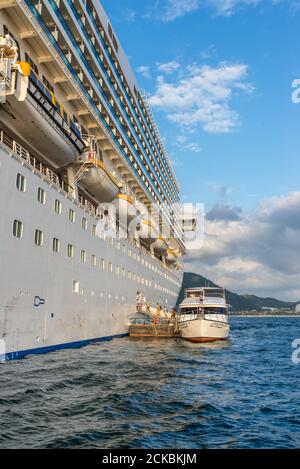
(138, 301)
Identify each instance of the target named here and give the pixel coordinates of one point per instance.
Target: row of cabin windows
(18, 231)
(140, 259)
(41, 196)
(21, 185)
(39, 241)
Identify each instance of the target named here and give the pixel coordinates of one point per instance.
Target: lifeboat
(37, 117)
(160, 246)
(147, 232)
(99, 182)
(125, 208)
(171, 256)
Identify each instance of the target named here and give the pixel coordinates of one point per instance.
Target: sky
(219, 74)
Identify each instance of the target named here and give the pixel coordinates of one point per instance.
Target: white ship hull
(76, 134)
(49, 301)
(204, 330)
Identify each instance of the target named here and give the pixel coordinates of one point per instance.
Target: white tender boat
(203, 315)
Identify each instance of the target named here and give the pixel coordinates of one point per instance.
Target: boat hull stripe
(52, 348)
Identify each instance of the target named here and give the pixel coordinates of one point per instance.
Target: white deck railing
(25, 156)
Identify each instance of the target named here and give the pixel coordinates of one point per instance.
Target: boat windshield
(189, 311)
(216, 293)
(211, 310)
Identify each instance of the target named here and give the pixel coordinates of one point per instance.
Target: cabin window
(70, 250)
(72, 215)
(39, 238)
(48, 84)
(75, 286)
(84, 223)
(116, 45)
(21, 182)
(58, 207)
(18, 229)
(110, 31)
(55, 245)
(41, 196)
(31, 63)
(83, 256)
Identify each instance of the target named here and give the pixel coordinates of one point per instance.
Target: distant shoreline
(258, 315)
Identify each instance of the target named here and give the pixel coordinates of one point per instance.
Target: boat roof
(203, 288)
(210, 302)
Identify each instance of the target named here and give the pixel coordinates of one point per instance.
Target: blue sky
(219, 75)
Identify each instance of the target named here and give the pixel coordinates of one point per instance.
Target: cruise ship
(90, 211)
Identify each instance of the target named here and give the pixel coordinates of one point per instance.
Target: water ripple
(131, 394)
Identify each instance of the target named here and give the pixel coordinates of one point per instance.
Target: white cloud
(144, 70)
(170, 10)
(258, 254)
(203, 96)
(182, 142)
(128, 15)
(176, 8)
(168, 67)
(228, 7)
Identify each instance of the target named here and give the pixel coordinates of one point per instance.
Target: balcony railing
(24, 155)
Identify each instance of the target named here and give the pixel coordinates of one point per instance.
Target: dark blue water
(159, 393)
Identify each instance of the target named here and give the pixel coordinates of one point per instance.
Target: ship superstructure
(89, 201)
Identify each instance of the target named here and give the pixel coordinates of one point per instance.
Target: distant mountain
(238, 302)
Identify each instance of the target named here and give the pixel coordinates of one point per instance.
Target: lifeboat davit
(100, 183)
(125, 208)
(147, 232)
(31, 110)
(160, 245)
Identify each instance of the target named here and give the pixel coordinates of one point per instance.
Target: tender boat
(147, 232)
(171, 256)
(125, 207)
(203, 315)
(160, 246)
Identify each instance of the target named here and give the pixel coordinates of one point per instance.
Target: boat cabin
(204, 300)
